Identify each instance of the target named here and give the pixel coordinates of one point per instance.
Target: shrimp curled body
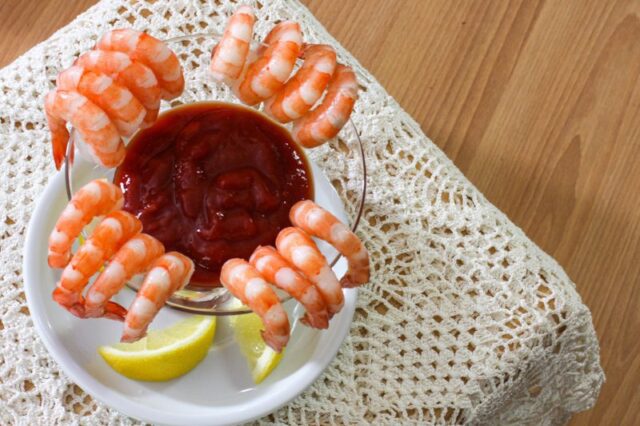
(135, 76)
(230, 55)
(168, 274)
(110, 234)
(96, 198)
(92, 123)
(263, 75)
(304, 89)
(297, 247)
(117, 241)
(151, 52)
(318, 222)
(275, 269)
(326, 120)
(298, 267)
(134, 257)
(125, 111)
(110, 92)
(247, 284)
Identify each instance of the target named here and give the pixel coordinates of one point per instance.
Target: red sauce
(213, 181)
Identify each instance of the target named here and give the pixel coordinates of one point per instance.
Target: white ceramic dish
(220, 390)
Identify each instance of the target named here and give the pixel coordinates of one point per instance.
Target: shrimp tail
(59, 132)
(349, 282)
(314, 322)
(115, 311)
(71, 301)
(74, 303)
(59, 148)
(277, 343)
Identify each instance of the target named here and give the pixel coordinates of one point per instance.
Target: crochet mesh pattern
(465, 321)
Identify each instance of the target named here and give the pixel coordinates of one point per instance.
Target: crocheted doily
(465, 320)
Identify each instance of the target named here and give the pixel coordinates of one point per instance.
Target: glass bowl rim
(176, 301)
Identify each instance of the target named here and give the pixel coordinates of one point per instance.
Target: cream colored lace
(465, 320)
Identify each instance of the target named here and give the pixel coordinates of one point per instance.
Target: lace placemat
(465, 320)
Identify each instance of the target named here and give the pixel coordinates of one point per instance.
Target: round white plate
(219, 391)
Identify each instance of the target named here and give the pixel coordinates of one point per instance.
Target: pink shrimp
(326, 120)
(133, 75)
(134, 257)
(318, 222)
(91, 122)
(276, 270)
(110, 234)
(168, 274)
(304, 89)
(229, 56)
(150, 51)
(96, 198)
(246, 283)
(300, 250)
(124, 110)
(267, 74)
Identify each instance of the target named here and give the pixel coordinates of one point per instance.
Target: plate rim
(296, 383)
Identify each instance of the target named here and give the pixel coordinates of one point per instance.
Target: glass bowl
(193, 52)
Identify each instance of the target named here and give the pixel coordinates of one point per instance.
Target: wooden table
(537, 102)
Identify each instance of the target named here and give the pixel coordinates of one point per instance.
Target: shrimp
(318, 222)
(134, 257)
(110, 234)
(133, 75)
(91, 122)
(150, 51)
(246, 283)
(304, 89)
(275, 269)
(326, 120)
(300, 250)
(230, 55)
(169, 273)
(267, 74)
(96, 198)
(124, 110)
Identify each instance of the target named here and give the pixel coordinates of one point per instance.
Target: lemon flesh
(163, 354)
(261, 358)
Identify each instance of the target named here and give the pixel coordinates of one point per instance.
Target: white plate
(219, 391)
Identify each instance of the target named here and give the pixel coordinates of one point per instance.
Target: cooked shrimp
(91, 122)
(134, 257)
(300, 250)
(96, 198)
(326, 120)
(315, 220)
(229, 56)
(276, 270)
(124, 110)
(169, 273)
(304, 89)
(150, 51)
(267, 74)
(133, 75)
(110, 234)
(246, 283)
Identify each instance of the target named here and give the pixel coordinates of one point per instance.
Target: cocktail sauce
(213, 181)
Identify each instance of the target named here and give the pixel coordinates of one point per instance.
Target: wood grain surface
(538, 102)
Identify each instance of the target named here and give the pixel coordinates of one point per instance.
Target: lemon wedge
(163, 354)
(261, 358)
